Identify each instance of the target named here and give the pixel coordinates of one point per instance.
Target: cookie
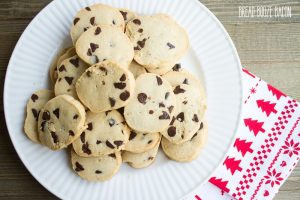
(128, 15)
(141, 142)
(188, 116)
(60, 122)
(105, 86)
(152, 105)
(36, 102)
(53, 67)
(141, 160)
(94, 15)
(188, 150)
(158, 40)
(99, 168)
(102, 43)
(106, 133)
(136, 69)
(68, 73)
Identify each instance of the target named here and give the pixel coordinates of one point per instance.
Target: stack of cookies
(119, 94)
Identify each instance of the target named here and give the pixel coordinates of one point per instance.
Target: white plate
(211, 48)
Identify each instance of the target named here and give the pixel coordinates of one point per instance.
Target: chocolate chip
(88, 73)
(194, 136)
(59, 79)
(90, 126)
(34, 97)
(106, 112)
(69, 79)
(95, 59)
(185, 102)
(195, 118)
(151, 112)
(111, 122)
(85, 29)
(150, 141)
(94, 46)
(76, 20)
(172, 121)
(150, 158)
(113, 155)
(123, 77)
(167, 95)
(171, 46)
(142, 97)
(170, 108)
(120, 85)
(124, 95)
(140, 30)
(43, 125)
(98, 31)
(35, 113)
(182, 136)
(46, 115)
(180, 117)
(62, 68)
(185, 81)
(71, 133)
(172, 131)
(75, 116)
(88, 8)
(176, 67)
(159, 80)
(98, 142)
(103, 70)
(103, 82)
(82, 137)
(137, 48)
(118, 143)
(112, 101)
(85, 148)
(89, 52)
(136, 21)
(124, 14)
(56, 113)
(54, 137)
(98, 172)
(132, 135)
(201, 126)
(178, 90)
(141, 43)
(110, 145)
(161, 104)
(164, 115)
(79, 167)
(92, 20)
(113, 21)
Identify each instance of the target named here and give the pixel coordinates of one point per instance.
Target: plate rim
(19, 42)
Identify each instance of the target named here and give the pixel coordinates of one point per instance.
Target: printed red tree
(275, 92)
(232, 164)
(254, 125)
(219, 183)
(243, 146)
(266, 106)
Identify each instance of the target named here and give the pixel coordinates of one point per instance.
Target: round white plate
(212, 57)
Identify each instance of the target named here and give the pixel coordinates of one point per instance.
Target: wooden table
(268, 47)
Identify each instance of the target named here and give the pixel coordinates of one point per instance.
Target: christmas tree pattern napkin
(266, 148)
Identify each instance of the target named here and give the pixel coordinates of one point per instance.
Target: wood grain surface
(268, 47)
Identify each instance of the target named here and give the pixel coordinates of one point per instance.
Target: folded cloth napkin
(266, 148)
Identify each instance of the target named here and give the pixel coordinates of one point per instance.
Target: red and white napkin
(266, 148)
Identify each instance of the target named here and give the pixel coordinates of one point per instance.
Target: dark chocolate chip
(159, 80)
(94, 46)
(110, 145)
(167, 95)
(185, 81)
(140, 30)
(98, 172)
(185, 102)
(62, 68)
(46, 115)
(137, 48)
(90, 126)
(35, 113)
(111, 122)
(150, 158)
(82, 137)
(106, 112)
(150, 141)
(118, 143)
(76, 20)
(98, 142)
(194, 136)
(54, 137)
(142, 97)
(43, 125)
(124, 14)
(71, 133)
(172, 131)
(103, 70)
(123, 77)
(201, 126)
(69, 79)
(113, 21)
(113, 155)
(98, 31)
(79, 167)
(75, 116)
(85, 29)
(182, 136)
(178, 90)
(89, 52)
(195, 118)
(170, 108)
(112, 101)
(172, 121)
(161, 104)
(59, 79)
(141, 43)
(85, 148)
(176, 67)
(164, 115)
(95, 59)
(88, 8)
(151, 112)
(132, 135)
(56, 113)
(180, 117)
(136, 21)
(120, 85)
(92, 20)
(124, 95)
(171, 46)
(88, 73)
(34, 97)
